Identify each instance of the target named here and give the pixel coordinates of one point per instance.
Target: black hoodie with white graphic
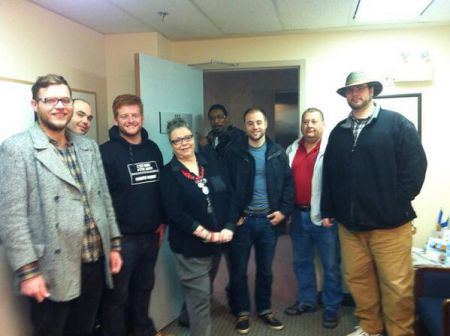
(133, 174)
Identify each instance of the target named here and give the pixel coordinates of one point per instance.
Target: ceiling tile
(100, 15)
(242, 17)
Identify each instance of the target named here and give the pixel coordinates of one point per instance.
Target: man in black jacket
(132, 165)
(374, 166)
(222, 135)
(260, 174)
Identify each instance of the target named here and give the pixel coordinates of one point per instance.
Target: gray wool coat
(41, 208)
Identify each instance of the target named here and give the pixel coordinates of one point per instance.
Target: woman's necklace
(199, 180)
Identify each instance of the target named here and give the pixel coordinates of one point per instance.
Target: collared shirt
(357, 125)
(302, 172)
(91, 247)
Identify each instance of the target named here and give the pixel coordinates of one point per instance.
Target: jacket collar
(347, 123)
(242, 147)
(46, 153)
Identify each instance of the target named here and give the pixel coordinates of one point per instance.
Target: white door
(167, 89)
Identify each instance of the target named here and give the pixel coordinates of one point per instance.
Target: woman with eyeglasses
(201, 215)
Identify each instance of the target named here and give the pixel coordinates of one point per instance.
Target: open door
(167, 89)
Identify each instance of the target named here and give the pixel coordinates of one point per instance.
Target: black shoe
(243, 324)
(300, 308)
(271, 321)
(330, 318)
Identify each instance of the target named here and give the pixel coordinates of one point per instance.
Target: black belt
(303, 208)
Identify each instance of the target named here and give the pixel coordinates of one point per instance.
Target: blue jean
(125, 308)
(258, 232)
(305, 237)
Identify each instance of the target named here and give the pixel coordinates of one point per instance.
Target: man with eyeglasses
(132, 164)
(58, 225)
(374, 166)
(81, 118)
(222, 134)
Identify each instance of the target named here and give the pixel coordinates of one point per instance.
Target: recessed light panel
(390, 10)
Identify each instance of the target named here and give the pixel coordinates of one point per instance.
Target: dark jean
(125, 308)
(305, 237)
(258, 232)
(75, 317)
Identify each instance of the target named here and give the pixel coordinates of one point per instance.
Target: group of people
(82, 224)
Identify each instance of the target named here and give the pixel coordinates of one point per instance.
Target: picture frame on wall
(407, 104)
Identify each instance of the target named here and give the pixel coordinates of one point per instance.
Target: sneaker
(243, 324)
(271, 321)
(330, 318)
(360, 332)
(300, 308)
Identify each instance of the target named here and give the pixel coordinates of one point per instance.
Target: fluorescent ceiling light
(390, 10)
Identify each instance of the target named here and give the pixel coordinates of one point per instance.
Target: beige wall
(34, 41)
(120, 50)
(329, 56)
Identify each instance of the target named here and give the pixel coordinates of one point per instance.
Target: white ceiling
(199, 19)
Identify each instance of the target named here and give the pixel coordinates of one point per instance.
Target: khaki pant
(379, 275)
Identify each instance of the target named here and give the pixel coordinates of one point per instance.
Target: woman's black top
(186, 205)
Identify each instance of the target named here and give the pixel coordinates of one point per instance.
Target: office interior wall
(119, 54)
(330, 56)
(34, 42)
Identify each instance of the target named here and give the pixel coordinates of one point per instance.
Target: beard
(257, 137)
(57, 127)
(360, 104)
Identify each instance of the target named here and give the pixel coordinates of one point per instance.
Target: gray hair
(175, 123)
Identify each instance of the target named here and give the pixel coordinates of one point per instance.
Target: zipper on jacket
(130, 151)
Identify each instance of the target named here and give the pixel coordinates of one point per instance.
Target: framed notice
(409, 105)
(165, 117)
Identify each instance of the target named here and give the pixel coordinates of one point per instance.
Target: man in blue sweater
(260, 174)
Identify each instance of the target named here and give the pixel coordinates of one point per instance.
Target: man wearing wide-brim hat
(374, 166)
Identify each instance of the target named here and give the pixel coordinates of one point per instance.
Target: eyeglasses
(217, 118)
(186, 138)
(53, 101)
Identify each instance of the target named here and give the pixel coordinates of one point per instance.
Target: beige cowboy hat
(358, 78)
